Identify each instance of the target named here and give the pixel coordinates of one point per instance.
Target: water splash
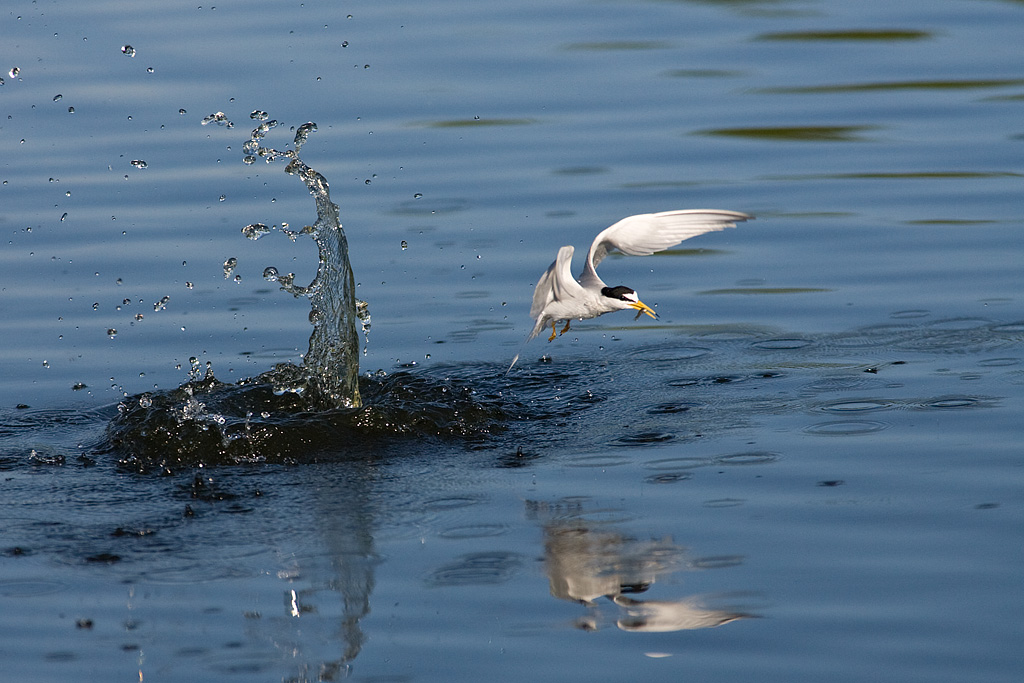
(331, 378)
(296, 411)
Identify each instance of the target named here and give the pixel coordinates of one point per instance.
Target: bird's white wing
(648, 233)
(556, 284)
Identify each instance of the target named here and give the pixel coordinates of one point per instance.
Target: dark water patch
(794, 133)
(260, 420)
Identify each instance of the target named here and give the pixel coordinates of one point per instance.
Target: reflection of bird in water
(559, 296)
(584, 565)
(655, 616)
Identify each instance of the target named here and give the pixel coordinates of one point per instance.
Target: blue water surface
(808, 468)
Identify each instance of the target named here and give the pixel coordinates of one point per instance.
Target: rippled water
(808, 468)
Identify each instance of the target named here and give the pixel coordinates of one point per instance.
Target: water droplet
(162, 304)
(14, 72)
(46, 363)
(71, 110)
(57, 97)
(220, 118)
(128, 50)
(229, 267)
(64, 217)
(96, 306)
(139, 163)
(182, 112)
(138, 316)
(344, 43)
(149, 70)
(222, 198)
(270, 274)
(111, 333)
(255, 231)
(405, 245)
(145, 401)
(417, 195)
(188, 285)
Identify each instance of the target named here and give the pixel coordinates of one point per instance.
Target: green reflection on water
(794, 133)
(850, 34)
(469, 123)
(766, 290)
(970, 84)
(616, 45)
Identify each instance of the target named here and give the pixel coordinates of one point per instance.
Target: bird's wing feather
(556, 284)
(648, 233)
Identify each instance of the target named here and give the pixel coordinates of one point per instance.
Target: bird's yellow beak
(642, 308)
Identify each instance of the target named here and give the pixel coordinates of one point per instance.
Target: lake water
(810, 468)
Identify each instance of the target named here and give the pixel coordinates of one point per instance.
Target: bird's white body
(559, 296)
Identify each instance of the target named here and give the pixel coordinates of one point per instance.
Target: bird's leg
(566, 328)
(552, 337)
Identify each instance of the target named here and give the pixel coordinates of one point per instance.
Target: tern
(561, 297)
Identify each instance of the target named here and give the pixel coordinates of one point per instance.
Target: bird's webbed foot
(553, 335)
(564, 329)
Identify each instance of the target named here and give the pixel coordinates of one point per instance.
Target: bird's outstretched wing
(556, 284)
(646, 233)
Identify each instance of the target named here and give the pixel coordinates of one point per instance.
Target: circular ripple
(998, 362)
(477, 569)
(644, 439)
(681, 463)
(952, 402)
(845, 428)
(782, 344)
(671, 408)
(1010, 327)
(670, 355)
(473, 531)
(717, 562)
(959, 324)
(597, 461)
(862, 406)
(453, 503)
(749, 458)
(911, 313)
(668, 477)
(27, 588)
(723, 503)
